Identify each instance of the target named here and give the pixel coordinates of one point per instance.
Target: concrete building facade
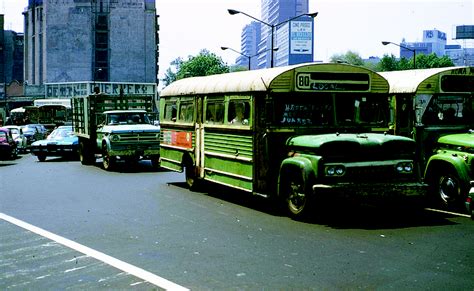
(90, 40)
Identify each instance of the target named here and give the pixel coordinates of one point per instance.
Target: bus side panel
(176, 143)
(228, 158)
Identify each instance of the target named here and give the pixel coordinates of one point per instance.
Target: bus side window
(170, 111)
(186, 112)
(215, 113)
(239, 112)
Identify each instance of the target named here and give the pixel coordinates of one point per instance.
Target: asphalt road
(137, 228)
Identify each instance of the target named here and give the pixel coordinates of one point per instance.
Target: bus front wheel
(296, 195)
(448, 189)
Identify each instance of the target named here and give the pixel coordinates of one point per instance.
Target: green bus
(291, 133)
(436, 108)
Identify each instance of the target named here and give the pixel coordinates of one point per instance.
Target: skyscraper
(250, 38)
(90, 40)
(286, 34)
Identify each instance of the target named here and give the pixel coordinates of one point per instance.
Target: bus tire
(448, 189)
(108, 162)
(191, 177)
(155, 163)
(41, 157)
(295, 195)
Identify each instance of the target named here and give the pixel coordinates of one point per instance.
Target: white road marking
(448, 212)
(126, 267)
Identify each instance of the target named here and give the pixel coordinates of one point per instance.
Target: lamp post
(244, 55)
(272, 26)
(407, 48)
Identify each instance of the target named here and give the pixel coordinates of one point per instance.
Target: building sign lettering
(67, 90)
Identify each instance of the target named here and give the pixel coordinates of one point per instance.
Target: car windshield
(127, 118)
(14, 131)
(60, 133)
(3, 135)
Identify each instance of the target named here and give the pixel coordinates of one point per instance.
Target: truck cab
(127, 135)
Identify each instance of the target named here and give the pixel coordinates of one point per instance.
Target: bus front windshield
(448, 110)
(332, 110)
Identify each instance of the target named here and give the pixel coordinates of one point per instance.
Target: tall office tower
(250, 38)
(294, 39)
(90, 40)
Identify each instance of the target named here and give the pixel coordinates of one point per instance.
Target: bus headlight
(335, 170)
(115, 138)
(404, 168)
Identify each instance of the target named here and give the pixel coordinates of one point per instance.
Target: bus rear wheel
(192, 179)
(296, 195)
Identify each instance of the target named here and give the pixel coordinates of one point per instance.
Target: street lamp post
(407, 48)
(272, 26)
(244, 55)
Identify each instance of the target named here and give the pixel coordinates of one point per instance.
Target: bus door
(226, 152)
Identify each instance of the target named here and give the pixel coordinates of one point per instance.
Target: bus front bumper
(374, 189)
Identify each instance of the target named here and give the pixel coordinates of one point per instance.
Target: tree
(390, 63)
(204, 64)
(350, 57)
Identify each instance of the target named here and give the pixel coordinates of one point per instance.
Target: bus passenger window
(170, 112)
(215, 113)
(186, 112)
(239, 112)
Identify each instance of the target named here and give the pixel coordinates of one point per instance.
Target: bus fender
(445, 160)
(307, 166)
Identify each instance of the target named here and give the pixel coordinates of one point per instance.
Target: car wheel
(41, 158)
(191, 178)
(108, 161)
(448, 189)
(295, 194)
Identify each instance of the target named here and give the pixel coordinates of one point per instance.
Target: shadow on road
(339, 213)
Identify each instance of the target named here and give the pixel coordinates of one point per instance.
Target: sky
(188, 26)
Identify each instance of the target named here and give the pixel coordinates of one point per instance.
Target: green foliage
(350, 57)
(390, 63)
(204, 64)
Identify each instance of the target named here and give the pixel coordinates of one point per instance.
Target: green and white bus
(291, 133)
(436, 108)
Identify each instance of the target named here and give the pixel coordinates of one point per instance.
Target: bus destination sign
(323, 81)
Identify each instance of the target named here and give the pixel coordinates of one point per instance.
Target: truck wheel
(41, 158)
(155, 163)
(85, 156)
(295, 195)
(107, 161)
(448, 189)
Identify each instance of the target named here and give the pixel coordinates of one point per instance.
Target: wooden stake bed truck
(116, 128)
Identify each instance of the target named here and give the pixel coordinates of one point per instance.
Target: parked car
(31, 133)
(8, 149)
(60, 143)
(19, 137)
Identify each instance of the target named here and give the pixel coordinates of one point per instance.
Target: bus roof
(53, 102)
(410, 81)
(273, 79)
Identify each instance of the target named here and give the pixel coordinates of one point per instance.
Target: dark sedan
(60, 143)
(8, 149)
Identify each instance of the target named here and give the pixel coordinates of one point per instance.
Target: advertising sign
(301, 37)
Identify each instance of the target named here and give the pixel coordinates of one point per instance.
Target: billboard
(465, 32)
(301, 37)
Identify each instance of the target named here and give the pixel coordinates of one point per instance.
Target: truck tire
(41, 157)
(86, 156)
(108, 162)
(295, 194)
(448, 189)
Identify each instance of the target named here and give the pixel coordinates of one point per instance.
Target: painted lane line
(448, 212)
(126, 267)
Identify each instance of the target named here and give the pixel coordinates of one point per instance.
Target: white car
(20, 139)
